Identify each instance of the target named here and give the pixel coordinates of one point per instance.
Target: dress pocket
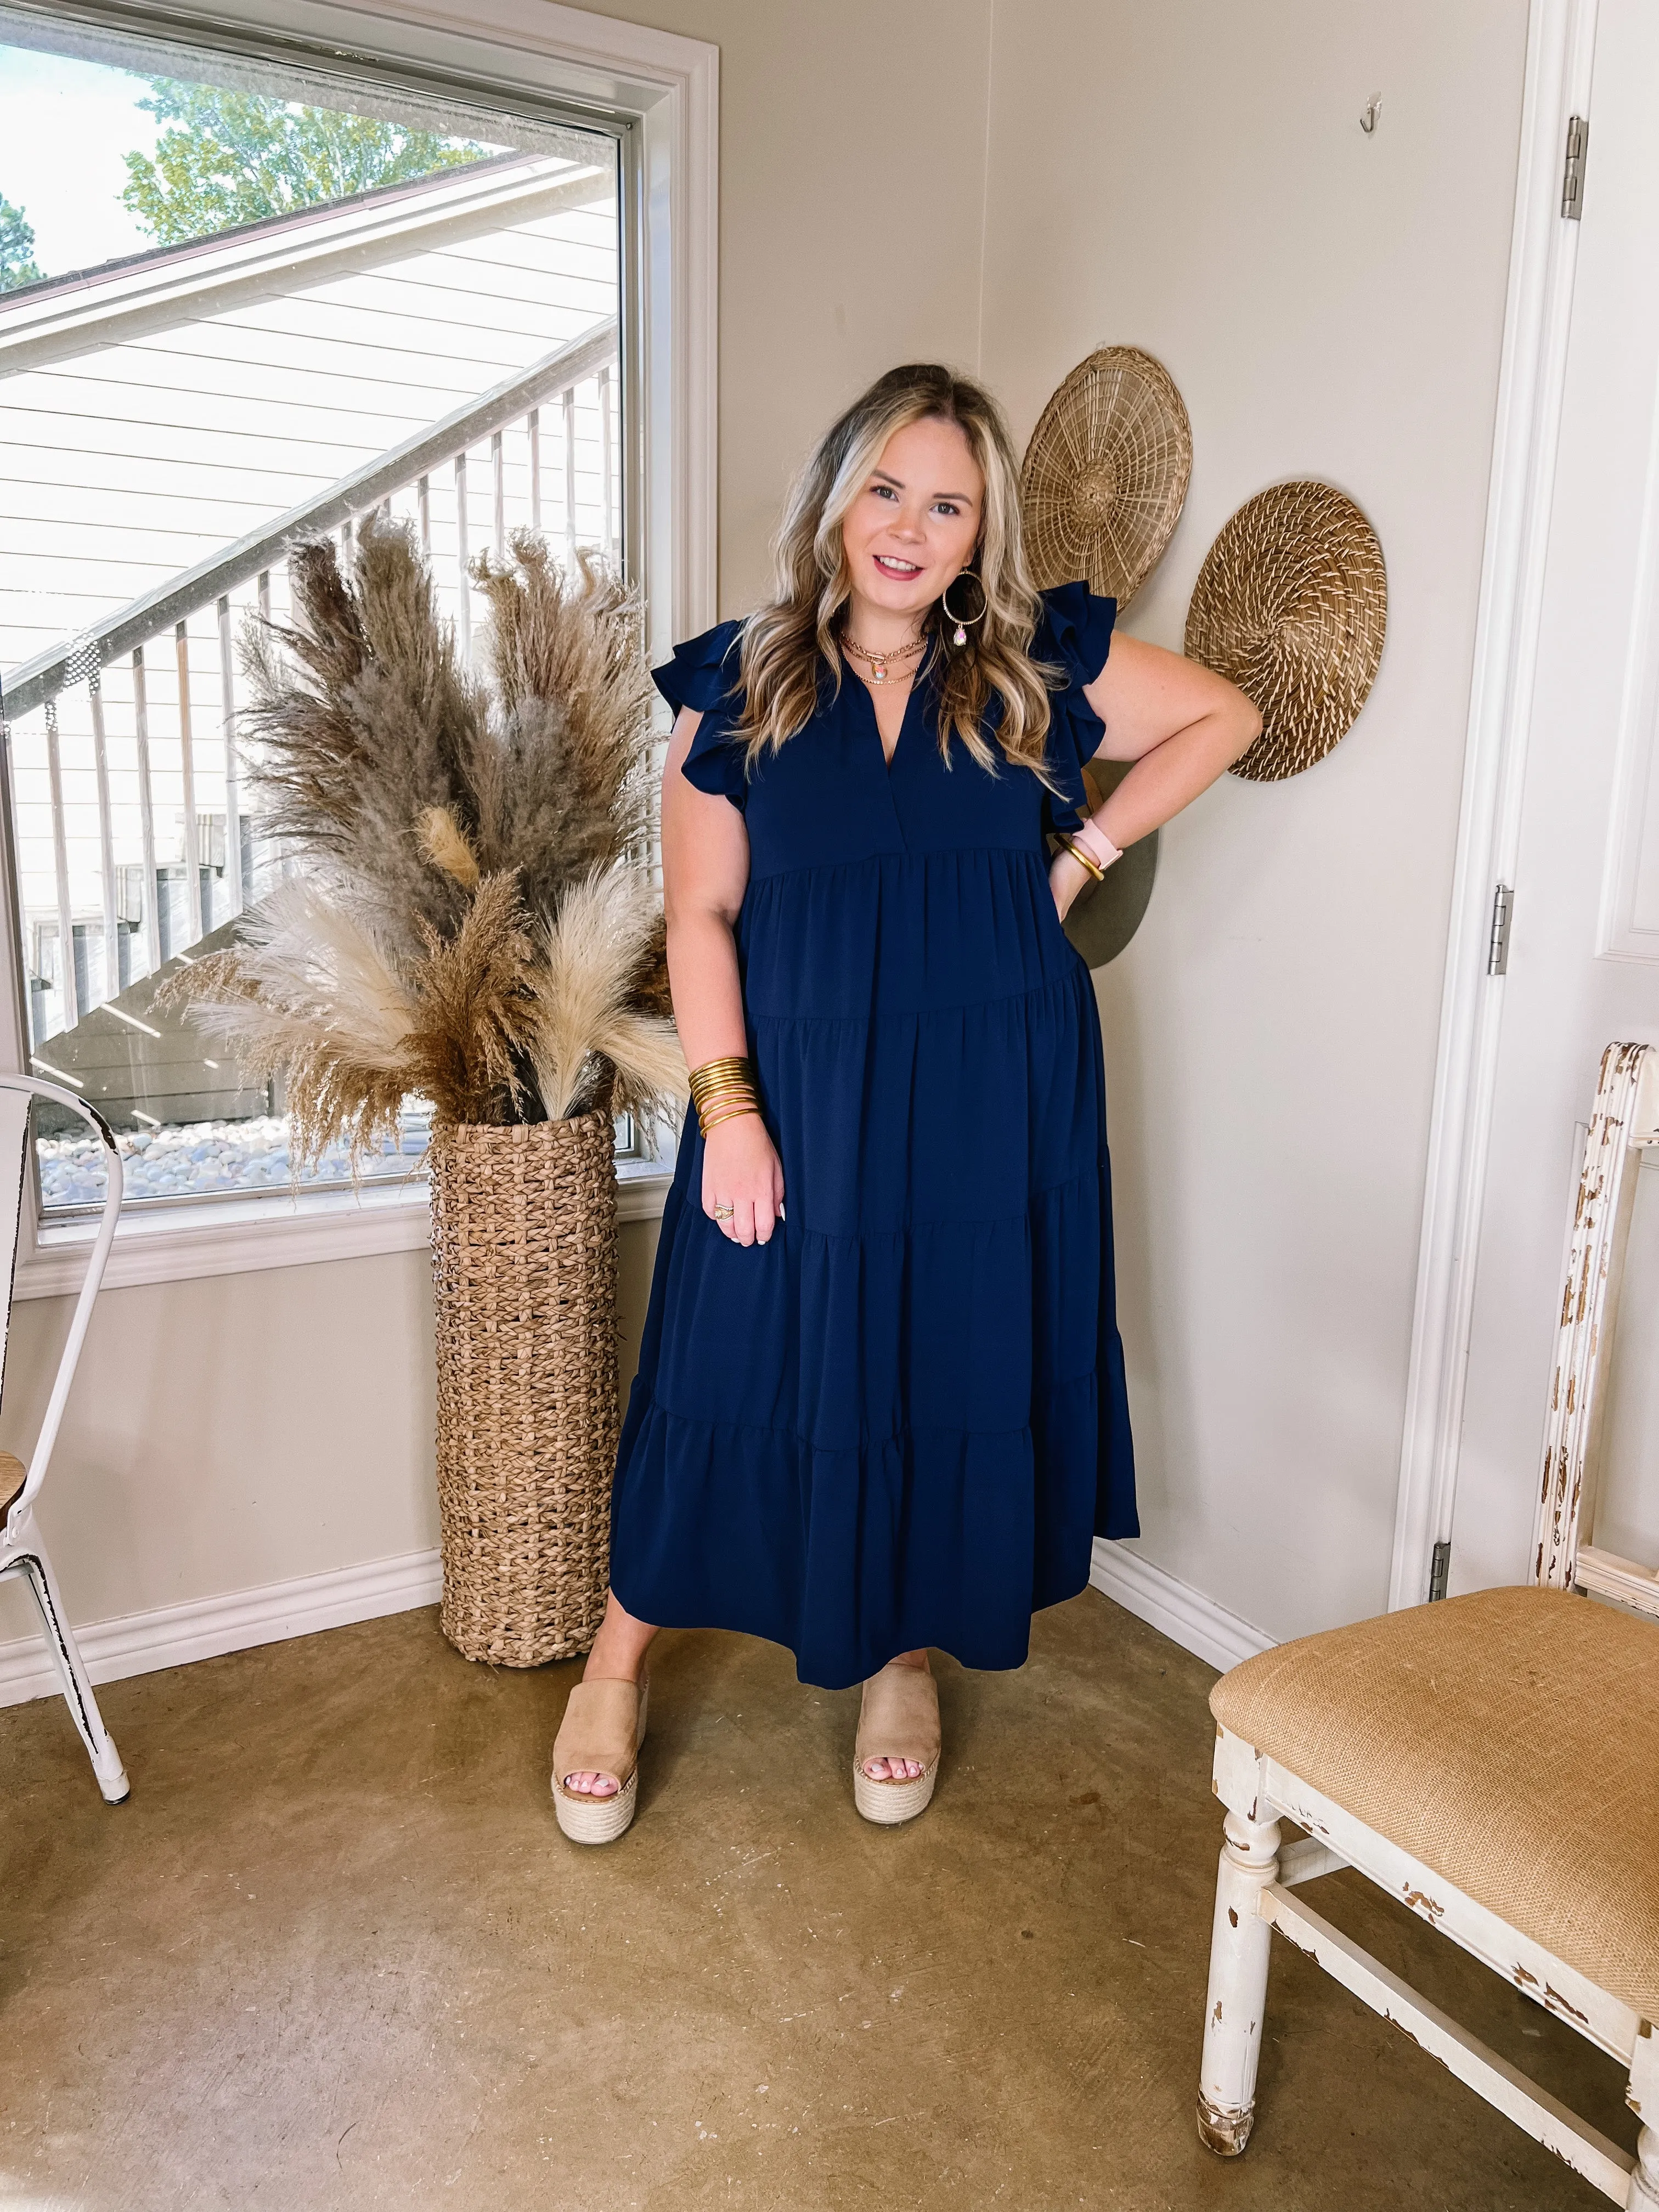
(730, 1355)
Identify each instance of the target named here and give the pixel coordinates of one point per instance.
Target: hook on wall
(1372, 110)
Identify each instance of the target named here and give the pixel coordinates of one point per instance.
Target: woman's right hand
(1066, 877)
(741, 1169)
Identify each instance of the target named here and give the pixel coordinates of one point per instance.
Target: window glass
(241, 317)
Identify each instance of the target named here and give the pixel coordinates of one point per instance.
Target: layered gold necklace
(879, 661)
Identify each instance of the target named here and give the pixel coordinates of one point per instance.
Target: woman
(880, 1403)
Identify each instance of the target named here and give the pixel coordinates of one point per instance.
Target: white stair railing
(110, 734)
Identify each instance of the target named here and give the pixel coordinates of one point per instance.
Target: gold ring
(724, 1212)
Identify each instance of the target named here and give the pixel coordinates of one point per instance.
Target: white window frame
(668, 87)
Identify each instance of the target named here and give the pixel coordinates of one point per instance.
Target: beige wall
(247, 1428)
(852, 201)
(1192, 179)
(244, 1429)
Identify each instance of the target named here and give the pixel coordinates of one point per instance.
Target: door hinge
(1498, 945)
(1572, 175)
(1440, 1570)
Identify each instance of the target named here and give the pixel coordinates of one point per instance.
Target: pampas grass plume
(590, 954)
(445, 845)
(471, 926)
(308, 992)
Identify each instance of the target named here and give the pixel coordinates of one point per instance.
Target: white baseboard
(1174, 1608)
(206, 1627)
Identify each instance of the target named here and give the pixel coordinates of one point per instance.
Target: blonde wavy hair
(788, 643)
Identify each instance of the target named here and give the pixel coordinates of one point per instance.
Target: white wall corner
(207, 1627)
(1198, 1624)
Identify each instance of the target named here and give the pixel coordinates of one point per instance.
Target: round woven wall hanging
(1105, 474)
(1291, 604)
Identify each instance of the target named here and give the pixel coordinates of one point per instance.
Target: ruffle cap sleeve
(703, 676)
(1073, 633)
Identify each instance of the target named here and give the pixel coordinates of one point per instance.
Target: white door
(1584, 953)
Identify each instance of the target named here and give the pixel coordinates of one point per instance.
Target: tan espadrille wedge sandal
(603, 1728)
(898, 1719)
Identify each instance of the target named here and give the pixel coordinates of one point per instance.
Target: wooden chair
(1491, 1761)
(21, 1552)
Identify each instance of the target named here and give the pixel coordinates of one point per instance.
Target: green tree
(234, 157)
(17, 262)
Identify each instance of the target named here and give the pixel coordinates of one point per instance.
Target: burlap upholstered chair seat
(1508, 1739)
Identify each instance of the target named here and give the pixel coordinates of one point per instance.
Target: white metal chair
(1491, 1761)
(21, 1552)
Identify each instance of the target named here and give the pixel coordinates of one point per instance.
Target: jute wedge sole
(601, 1734)
(898, 1718)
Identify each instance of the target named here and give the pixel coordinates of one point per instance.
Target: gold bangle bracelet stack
(1083, 859)
(721, 1089)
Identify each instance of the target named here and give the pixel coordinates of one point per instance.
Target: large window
(250, 310)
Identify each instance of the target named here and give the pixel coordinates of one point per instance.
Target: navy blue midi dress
(901, 1422)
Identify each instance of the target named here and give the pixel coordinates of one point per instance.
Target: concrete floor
(334, 1953)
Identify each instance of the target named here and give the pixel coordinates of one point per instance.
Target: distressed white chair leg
(1644, 2182)
(111, 1775)
(1238, 1985)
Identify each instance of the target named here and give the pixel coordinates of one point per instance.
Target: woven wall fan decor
(1291, 604)
(1105, 474)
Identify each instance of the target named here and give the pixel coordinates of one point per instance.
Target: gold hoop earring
(960, 637)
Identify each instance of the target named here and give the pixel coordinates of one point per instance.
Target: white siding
(123, 467)
(129, 463)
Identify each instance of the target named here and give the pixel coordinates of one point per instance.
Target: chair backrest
(18, 1094)
(16, 1100)
(1624, 1120)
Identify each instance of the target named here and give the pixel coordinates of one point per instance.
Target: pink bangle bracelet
(1099, 848)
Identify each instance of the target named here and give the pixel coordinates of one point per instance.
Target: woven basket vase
(523, 1267)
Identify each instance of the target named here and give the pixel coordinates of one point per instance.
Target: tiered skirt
(901, 1421)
